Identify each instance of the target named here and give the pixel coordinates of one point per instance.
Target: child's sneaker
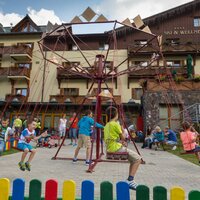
(28, 166)
(174, 148)
(74, 145)
(70, 143)
(87, 163)
(75, 160)
(22, 166)
(132, 185)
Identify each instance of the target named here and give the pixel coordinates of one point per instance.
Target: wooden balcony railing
(15, 71)
(152, 72)
(166, 48)
(16, 98)
(17, 49)
(66, 74)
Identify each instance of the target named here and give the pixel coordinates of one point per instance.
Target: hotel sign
(182, 31)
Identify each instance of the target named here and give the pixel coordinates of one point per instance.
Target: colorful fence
(10, 143)
(87, 191)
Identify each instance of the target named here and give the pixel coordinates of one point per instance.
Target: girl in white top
(62, 127)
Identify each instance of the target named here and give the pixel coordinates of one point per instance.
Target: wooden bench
(117, 156)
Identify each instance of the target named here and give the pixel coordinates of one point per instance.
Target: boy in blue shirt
(26, 136)
(84, 140)
(171, 138)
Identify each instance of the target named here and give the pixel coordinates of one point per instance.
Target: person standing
(62, 128)
(18, 126)
(73, 130)
(85, 126)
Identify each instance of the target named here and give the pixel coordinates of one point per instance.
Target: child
(85, 127)
(5, 132)
(62, 127)
(189, 139)
(158, 136)
(26, 136)
(73, 129)
(112, 134)
(171, 138)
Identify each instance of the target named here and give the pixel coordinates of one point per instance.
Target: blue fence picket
(18, 189)
(87, 190)
(123, 191)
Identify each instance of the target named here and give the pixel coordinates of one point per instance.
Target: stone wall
(152, 100)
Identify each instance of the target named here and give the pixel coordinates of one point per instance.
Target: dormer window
(197, 22)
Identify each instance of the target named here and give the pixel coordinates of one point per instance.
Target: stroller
(51, 140)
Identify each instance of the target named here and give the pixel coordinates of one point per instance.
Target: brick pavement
(161, 168)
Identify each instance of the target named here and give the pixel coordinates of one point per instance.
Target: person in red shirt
(73, 130)
(189, 138)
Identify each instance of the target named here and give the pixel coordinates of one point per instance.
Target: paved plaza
(161, 168)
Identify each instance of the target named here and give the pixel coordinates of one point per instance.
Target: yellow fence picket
(4, 189)
(69, 190)
(177, 193)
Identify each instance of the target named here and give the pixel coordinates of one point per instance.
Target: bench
(117, 156)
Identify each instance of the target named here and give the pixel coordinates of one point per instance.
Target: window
(74, 48)
(170, 116)
(197, 22)
(137, 93)
(173, 63)
(70, 64)
(173, 41)
(30, 45)
(71, 91)
(21, 91)
(103, 46)
(141, 43)
(23, 65)
(141, 63)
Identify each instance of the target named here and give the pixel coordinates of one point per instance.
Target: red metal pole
(98, 119)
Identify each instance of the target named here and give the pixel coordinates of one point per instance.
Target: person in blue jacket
(85, 127)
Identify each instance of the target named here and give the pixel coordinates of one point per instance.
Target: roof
(24, 21)
(184, 8)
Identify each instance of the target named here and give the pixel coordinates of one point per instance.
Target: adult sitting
(171, 138)
(189, 139)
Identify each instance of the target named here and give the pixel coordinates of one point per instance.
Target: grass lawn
(11, 151)
(189, 157)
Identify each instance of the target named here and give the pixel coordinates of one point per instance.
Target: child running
(112, 135)
(26, 136)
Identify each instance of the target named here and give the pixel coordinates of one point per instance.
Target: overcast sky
(58, 11)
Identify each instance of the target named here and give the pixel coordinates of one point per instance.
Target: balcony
(17, 52)
(78, 100)
(187, 48)
(16, 98)
(153, 85)
(66, 74)
(15, 72)
(152, 72)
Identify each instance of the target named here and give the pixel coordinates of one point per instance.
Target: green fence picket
(142, 192)
(35, 190)
(106, 191)
(159, 193)
(194, 195)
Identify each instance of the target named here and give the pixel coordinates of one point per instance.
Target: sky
(59, 11)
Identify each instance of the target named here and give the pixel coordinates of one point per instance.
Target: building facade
(29, 84)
